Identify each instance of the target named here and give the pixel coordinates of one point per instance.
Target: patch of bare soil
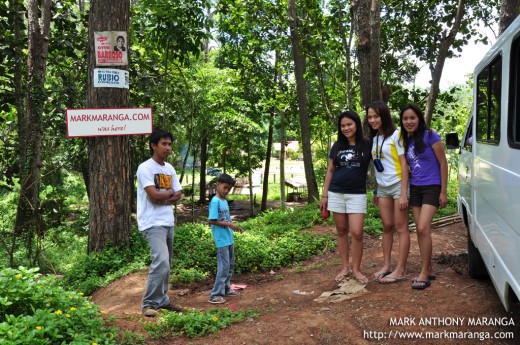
(384, 314)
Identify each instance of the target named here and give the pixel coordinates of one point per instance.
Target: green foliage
(36, 310)
(129, 338)
(192, 248)
(99, 268)
(292, 154)
(271, 240)
(194, 323)
(176, 26)
(8, 204)
(452, 110)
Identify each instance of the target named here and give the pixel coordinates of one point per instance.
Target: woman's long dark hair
(418, 135)
(383, 111)
(342, 139)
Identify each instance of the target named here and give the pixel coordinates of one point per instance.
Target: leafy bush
(100, 268)
(35, 310)
(271, 240)
(195, 323)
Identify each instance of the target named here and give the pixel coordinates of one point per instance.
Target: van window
(489, 89)
(513, 134)
(467, 144)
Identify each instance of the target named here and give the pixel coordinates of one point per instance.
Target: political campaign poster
(108, 77)
(111, 48)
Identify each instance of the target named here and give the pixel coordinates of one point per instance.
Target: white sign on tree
(108, 122)
(109, 77)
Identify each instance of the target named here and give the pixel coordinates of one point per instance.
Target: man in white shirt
(157, 189)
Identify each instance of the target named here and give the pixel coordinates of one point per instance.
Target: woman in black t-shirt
(344, 191)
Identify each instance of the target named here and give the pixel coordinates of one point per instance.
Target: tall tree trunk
(250, 179)
(109, 157)
(282, 159)
(348, 64)
(375, 50)
(28, 217)
(186, 156)
(265, 184)
(366, 21)
(325, 99)
(282, 145)
(361, 22)
(447, 40)
(301, 87)
(18, 77)
(195, 153)
(203, 160)
(191, 124)
(509, 10)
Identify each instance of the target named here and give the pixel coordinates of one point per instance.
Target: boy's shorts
(347, 203)
(393, 191)
(420, 195)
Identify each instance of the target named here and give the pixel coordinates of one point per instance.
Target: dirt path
(295, 318)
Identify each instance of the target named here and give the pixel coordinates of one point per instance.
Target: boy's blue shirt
(219, 210)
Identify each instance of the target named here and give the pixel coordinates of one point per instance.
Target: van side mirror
(452, 141)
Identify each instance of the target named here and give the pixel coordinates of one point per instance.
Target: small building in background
(292, 149)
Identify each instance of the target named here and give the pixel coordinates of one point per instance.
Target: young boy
(222, 228)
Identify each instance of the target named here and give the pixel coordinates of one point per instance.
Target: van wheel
(476, 267)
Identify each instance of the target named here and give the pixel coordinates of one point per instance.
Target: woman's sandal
(341, 277)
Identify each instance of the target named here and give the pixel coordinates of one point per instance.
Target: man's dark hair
(225, 178)
(157, 135)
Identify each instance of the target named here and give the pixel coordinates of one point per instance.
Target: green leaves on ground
(35, 310)
(195, 323)
(271, 240)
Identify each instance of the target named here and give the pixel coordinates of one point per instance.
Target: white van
(489, 169)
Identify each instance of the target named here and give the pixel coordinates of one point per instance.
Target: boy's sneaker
(172, 307)
(232, 293)
(217, 300)
(150, 312)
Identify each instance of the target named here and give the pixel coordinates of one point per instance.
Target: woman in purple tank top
(428, 182)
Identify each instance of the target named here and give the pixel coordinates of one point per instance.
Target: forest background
(227, 78)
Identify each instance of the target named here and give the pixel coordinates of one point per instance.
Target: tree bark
(28, 217)
(265, 184)
(361, 23)
(348, 64)
(375, 50)
(301, 87)
(509, 10)
(325, 99)
(18, 77)
(203, 160)
(282, 160)
(282, 145)
(109, 157)
(366, 19)
(446, 42)
(250, 179)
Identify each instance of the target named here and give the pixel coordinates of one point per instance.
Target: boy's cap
(225, 178)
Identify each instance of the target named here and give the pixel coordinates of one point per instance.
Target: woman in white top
(392, 192)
